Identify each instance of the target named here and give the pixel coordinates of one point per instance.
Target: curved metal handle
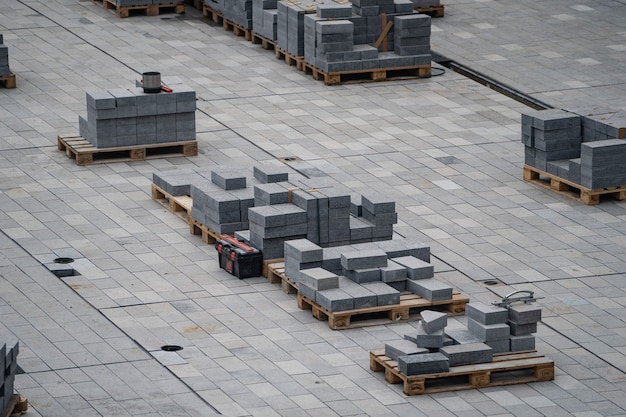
(530, 294)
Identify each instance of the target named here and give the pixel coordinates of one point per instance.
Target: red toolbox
(239, 259)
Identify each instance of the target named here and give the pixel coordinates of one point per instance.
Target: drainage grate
(63, 260)
(288, 159)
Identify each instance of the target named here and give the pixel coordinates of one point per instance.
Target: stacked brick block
(127, 117)
(4, 58)
(265, 18)
(368, 274)
(8, 365)
(586, 150)
(489, 323)
(522, 320)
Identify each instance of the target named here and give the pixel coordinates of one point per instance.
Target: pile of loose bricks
(4, 58)
(8, 366)
(490, 330)
(584, 146)
(270, 208)
(127, 117)
(339, 36)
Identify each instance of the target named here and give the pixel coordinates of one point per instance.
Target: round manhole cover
(171, 348)
(63, 260)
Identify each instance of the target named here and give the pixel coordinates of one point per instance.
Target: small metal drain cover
(491, 282)
(63, 260)
(171, 348)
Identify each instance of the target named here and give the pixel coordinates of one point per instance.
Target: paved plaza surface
(446, 149)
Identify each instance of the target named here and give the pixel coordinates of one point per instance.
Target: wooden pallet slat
(263, 41)
(409, 304)
(15, 406)
(504, 369)
(8, 81)
(432, 11)
(179, 205)
(147, 9)
(376, 74)
(570, 189)
(78, 148)
(208, 236)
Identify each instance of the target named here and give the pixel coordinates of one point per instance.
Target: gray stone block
(488, 332)
(430, 289)
(428, 340)
(499, 346)
(271, 193)
(426, 363)
(377, 203)
(335, 300)
(393, 272)
(524, 313)
(402, 347)
(463, 336)
(228, 179)
(522, 343)
(165, 103)
(363, 297)
(362, 276)
(522, 329)
(307, 292)
(100, 100)
(468, 354)
(303, 250)
(373, 258)
(386, 295)
(416, 269)
(267, 173)
(433, 320)
(486, 314)
(319, 279)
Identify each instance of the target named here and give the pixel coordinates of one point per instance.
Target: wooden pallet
(505, 369)
(8, 81)
(179, 205)
(145, 9)
(432, 11)
(409, 303)
(208, 236)
(569, 189)
(276, 275)
(265, 42)
(77, 147)
(16, 406)
(218, 17)
(359, 76)
(290, 59)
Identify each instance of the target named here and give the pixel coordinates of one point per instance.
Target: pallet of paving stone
(290, 59)
(359, 76)
(145, 9)
(265, 42)
(432, 11)
(218, 17)
(8, 81)
(208, 235)
(504, 369)
(15, 406)
(408, 309)
(78, 148)
(570, 189)
(179, 205)
(276, 275)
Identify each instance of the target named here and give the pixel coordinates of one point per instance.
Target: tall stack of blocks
(8, 366)
(4, 58)
(523, 319)
(430, 350)
(238, 11)
(265, 18)
(127, 117)
(586, 150)
(489, 323)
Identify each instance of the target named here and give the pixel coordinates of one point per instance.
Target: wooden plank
(432, 11)
(369, 75)
(506, 369)
(15, 406)
(570, 189)
(76, 147)
(409, 304)
(8, 81)
(147, 9)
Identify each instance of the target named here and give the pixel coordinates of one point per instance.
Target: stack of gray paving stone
(582, 149)
(425, 3)
(4, 58)
(301, 254)
(126, 117)
(489, 323)
(272, 225)
(430, 330)
(8, 365)
(265, 18)
(239, 12)
(217, 5)
(523, 319)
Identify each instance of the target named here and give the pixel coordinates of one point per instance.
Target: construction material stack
(4, 58)
(128, 117)
(8, 365)
(586, 150)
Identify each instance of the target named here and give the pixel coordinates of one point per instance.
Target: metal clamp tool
(509, 299)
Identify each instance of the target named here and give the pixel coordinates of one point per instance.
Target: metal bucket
(151, 82)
